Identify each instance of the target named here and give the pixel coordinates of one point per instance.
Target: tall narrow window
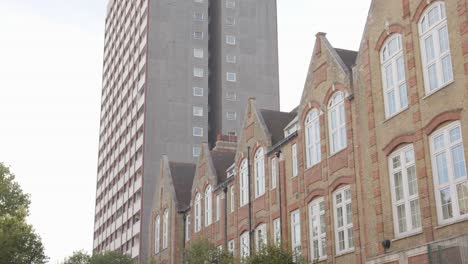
(343, 220)
(208, 206)
(405, 198)
(296, 232)
(449, 169)
(197, 213)
(337, 122)
(273, 173)
(259, 169)
(244, 245)
(277, 231)
(312, 125)
(244, 184)
(232, 199)
(157, 236)
(393, 76)
(260, 237)
(165, 228)
(318, 242)
(187, 228)
(218, 207)
(231, 247)
(435, 47)
(294, 160)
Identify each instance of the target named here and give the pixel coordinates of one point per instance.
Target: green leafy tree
(19, 244)
(202, 251)
(273, 254)
(109, 257)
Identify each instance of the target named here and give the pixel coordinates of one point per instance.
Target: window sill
(400, 237)
(459, 220)
(319, 259)
(439, 89)
(313, 166)
(387, 119)
(345, 252)
(338, 152)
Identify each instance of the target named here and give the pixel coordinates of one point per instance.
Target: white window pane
(403, 96)
(400, 69)
(459, 169)
(396, 162)
(447, 68)
(197, 91)
(443, 39)
(442, 170)
(412, 181)
(198, 53)
(349, 214)
(350, 238)
(432, 72)
(462, 191)
(389, 75)
(446, 201)
(433, 15)
(341, 241)
(398, 180)
(415, 214)
(339, 213)
(439, 142)
(391, 102)
(455, 134)
(429, 44)
(401, 218)
(409, 156)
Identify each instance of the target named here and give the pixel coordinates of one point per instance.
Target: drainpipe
(185, 236)
(225, 190)
(278, 155)
(250, 202)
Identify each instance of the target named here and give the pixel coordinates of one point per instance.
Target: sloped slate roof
(276, 121)
(222, 160)
(348, 57)
(182, 178)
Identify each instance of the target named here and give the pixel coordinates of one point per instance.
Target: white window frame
(232, 199)
(198, 16)
(208, 206)
(296, 232)
(196, 150)
(295, 167)
(197, 111)
(452, 181)
(230, 4)
(312, 129)
(259, 171)
(231, 247)
(198, 91)
(317, 222)
(244, 245)
(273, 173)
(399, 162)
(427, 31)
(337, 111)
(277, 231)
(230, 20)
(197, 131)
(198, 72)
(260, 237)
(243, 183)
(157, 235)
(198, 53)
(187, 228)
(231, 116)
(218, 207)
(165, 229)
(198, 35)
(231, 77)
(197, 213)
(394, 75)
(231, 96)
(346, 226)
(230, 39)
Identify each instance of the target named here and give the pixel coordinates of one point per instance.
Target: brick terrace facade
(374, 153)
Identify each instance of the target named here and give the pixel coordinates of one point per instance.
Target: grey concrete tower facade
(176, 73)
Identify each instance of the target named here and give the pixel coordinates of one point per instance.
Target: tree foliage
(18, 241)
(109, 257)
(273, 254)
(203, 251)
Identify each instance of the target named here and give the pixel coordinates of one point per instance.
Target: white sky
(50, 82)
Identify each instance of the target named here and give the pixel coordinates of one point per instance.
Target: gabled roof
(222, 160)
(182, 178)
(275, 122)
(348, 57)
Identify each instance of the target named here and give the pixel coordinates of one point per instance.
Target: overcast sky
(50, 83)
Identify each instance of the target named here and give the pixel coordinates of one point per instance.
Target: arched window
(393, 76)
(197, 213)
(244, 183)
(337, 122)
(165, 228)
(244, 245)
(208, 205)
(312, 125)
(318, 243)
(259, 169)
(157, 237)
(260, 237)
(435, 47)
(449, 169)
(404, 189)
